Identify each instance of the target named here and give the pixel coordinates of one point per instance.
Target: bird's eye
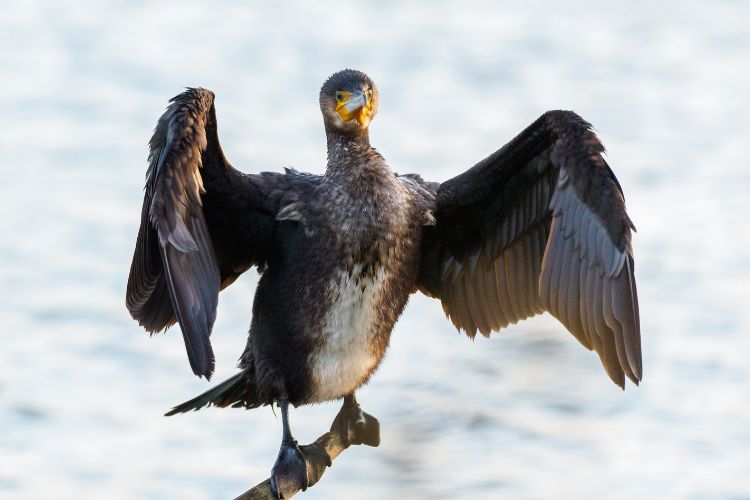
(339, 96)
(369, 92)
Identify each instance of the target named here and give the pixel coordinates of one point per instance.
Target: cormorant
(538, 225)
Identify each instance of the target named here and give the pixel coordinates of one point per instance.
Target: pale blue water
(528, 414)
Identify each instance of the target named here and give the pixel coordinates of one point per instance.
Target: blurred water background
(529, 414)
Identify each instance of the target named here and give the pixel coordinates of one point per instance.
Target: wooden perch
(331, 443)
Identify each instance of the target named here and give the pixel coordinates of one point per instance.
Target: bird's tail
(238, 392)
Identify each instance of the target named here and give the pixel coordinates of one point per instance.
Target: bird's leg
(289, 473)
(356, 426)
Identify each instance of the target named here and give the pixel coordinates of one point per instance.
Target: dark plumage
(538, 225)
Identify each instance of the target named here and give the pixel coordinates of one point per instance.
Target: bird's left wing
(539, 225)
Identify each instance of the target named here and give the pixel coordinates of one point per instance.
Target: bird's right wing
(203, 223)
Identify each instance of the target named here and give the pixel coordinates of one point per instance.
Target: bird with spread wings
(540, 225)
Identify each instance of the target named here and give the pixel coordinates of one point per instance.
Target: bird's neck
(342, 146)
(350, 156)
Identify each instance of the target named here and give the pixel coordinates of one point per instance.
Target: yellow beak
(354, 106)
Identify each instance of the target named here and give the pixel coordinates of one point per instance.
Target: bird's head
(349, 101)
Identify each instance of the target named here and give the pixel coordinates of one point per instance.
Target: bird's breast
(350, 343)
(364, 293)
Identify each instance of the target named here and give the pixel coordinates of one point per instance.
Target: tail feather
(236, 392)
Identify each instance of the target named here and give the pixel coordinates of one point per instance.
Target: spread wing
(203, 223)
(539, 225)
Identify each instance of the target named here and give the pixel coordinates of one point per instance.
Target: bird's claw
(289, 473)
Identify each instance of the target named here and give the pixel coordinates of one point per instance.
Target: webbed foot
(355, 425)
(289, 473)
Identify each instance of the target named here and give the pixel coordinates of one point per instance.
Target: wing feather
(509, 281)
(502, 289)
(494, 304)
